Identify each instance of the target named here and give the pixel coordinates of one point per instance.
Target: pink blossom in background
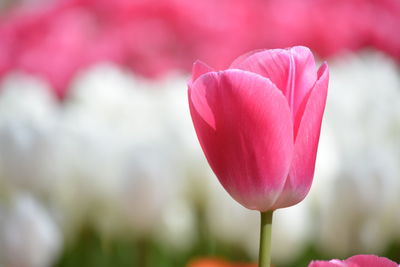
(356, 261)
(56, 43)
(258, 123)
(152, 38)
(385, 21)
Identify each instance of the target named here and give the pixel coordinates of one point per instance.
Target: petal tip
(199, 68)
(300, 49)
(323, 70)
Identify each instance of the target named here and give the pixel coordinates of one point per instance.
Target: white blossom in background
(177, 230)
(121, 153)
(360, 213)
(28, 117)
(105, 115)
(88, 150)
(174, 110)
(29, 237)
(118, 164)
(228, 221)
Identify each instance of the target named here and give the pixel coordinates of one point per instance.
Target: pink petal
(333, 263)
(244, 126)
(292, 70)
(199, 68)
(244, 57)
(371, 261)
(302, 169)
(356, 261)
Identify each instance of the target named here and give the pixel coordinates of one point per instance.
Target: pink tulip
(356, 261)
(258, 123)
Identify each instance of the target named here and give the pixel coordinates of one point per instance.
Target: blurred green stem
(264, 258)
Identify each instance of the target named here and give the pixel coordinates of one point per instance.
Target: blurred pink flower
(58, 39)
(55, 43)
(259, 122)
(356, 261)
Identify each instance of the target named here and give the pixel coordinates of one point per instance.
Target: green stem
(264, 258)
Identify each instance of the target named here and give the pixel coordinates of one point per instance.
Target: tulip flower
(356, 261)
(258, 123)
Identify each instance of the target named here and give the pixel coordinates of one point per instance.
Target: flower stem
(264, 258)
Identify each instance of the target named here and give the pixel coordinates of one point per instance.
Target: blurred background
(99, 162)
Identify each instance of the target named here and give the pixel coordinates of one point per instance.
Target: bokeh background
(99, 162)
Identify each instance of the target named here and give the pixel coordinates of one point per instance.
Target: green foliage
(90, 250)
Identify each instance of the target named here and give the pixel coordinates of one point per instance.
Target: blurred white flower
(117, 159)
(178, 226)
(28, 235)
(28, 116)
(363, 112)
(106, 114)
(291, 232)
(121, 153)
(230, 222)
